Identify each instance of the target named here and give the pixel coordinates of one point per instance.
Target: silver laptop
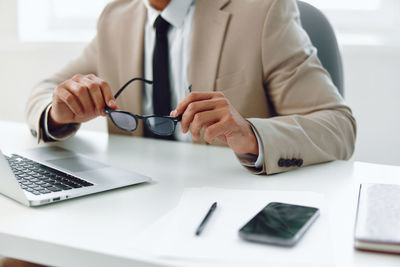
(48, 174)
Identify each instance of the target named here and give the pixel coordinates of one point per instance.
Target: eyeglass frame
(137, 117)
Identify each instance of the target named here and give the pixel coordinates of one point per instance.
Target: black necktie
(161, 85)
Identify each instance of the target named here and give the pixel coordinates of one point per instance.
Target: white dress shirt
(179, 14)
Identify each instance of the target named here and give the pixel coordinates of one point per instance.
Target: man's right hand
(80, 99)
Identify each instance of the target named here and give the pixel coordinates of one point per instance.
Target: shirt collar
(174, 13)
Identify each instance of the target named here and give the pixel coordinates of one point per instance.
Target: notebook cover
(378, 218)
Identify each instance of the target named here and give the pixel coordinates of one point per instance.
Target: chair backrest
(323, 38)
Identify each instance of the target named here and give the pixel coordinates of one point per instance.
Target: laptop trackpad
(76, 164)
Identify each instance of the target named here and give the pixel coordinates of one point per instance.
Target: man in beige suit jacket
(248, 59)
(251, 63)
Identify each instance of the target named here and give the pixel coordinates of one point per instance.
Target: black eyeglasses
(159, 125)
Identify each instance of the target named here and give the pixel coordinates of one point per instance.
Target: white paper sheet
(173, 237)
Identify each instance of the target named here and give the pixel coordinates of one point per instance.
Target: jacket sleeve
(313, 123)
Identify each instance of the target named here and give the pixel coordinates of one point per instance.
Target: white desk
(100, 230)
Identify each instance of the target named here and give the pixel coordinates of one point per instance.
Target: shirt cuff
(60, 134)
(260, 159)
(250, 160)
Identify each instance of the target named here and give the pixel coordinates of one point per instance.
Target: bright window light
(77, 8)
(75, 20)
(346, 4)
(58, 20)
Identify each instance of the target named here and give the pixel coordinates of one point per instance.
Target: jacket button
(293, 162)
(281, 163)
(299, 163)
(34, 133)
(288, 163)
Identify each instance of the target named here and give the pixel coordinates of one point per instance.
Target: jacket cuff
(282, 155)
(60, 134)
(253, 163)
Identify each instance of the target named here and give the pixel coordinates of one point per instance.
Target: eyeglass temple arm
(132, 80)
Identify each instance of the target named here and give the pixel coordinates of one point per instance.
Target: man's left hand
(220, 120)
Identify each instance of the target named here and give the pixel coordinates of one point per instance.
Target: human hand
(220, 120)
(80, 99)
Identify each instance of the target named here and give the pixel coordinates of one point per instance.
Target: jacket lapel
(208, 35)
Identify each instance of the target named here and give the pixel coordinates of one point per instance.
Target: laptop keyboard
(39, 179)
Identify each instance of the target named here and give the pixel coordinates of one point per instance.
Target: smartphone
(279, 224)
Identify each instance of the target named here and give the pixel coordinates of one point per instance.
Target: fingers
(217, 130)
(70, 100)
(213, 112)
(81, 92)
(96, 95)
(81, 98)
(99, 92)
(204, 120)
(105, 88)
(197, 102)
(193, 97)
(192, 110)
(238, 135)
(200, 110)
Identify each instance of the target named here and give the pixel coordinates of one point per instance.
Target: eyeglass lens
(160, 125)
(124, 121)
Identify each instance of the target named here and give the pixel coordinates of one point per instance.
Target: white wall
(371, 73)
(22, 65)
(373, 92)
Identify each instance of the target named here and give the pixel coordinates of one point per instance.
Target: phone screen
(279, 223)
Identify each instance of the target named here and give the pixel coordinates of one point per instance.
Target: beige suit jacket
(254, 51)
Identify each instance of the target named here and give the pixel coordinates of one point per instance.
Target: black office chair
(323, 38)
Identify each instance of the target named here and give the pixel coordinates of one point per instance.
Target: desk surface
(100, 230)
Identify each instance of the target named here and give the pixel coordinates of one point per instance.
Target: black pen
(206, 218)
